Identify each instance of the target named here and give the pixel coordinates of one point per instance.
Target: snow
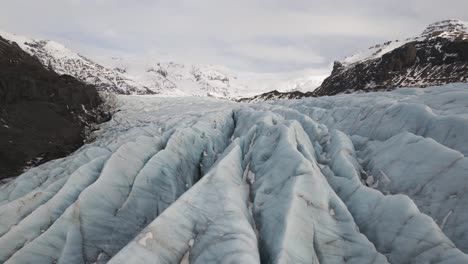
(179, 79)
(303, 81)
(363, 178)
(51, 47)
(20, 40)
(60, 51)
(375, 52)
(446, 27)
(147, 74)
(65, 61)
(449, 29)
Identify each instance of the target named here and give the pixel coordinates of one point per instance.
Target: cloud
(257, 35)
(278, 54)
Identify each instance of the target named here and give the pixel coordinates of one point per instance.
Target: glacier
(356, 178)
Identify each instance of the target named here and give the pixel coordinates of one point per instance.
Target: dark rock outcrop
(275, 95)
(415, 64)
(42, 114)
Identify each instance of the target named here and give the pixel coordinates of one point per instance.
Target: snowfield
(153, 75)
(363, 178)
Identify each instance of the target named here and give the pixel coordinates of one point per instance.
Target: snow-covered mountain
(438, 56)
(209, 80)
(143, 75)
(362, 178)
(43, 115)
(447, 29)
(178, 79)
(300, 81)
(62, 60)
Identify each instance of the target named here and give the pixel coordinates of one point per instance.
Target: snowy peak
(373, 52)
(146, 75)
(447, 28)
(62, 60)
(171, 78)
(437, 56)
(43, 115)
(134, 75)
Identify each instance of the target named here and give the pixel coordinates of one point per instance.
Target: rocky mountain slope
(42, 114)
(60, 59)
(438, 56)
(137, 75)
(364, 178)
(275, 95)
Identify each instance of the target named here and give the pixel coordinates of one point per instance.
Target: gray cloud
(260, 35)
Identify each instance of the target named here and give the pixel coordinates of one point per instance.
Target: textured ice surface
(409, 141)
(367, 178)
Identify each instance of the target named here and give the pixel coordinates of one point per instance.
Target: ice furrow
(421, 113)
(394, 225)
(36, 223)
(356, 174)
(208, 224)
(108, 220)
(290, 196)
(435, 187)
(349, 179)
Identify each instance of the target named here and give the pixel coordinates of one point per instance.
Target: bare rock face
(42, 113)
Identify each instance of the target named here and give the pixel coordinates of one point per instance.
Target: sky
(246, 35)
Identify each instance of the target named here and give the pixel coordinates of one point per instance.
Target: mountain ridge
(43, 115)
(439, 55)
(60, 59)
(140, 75)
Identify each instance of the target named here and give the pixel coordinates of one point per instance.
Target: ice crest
(363, 178)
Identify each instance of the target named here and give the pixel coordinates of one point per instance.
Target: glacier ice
(414, 138)
(364, 178)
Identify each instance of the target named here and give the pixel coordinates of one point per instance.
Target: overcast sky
(248, 35)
